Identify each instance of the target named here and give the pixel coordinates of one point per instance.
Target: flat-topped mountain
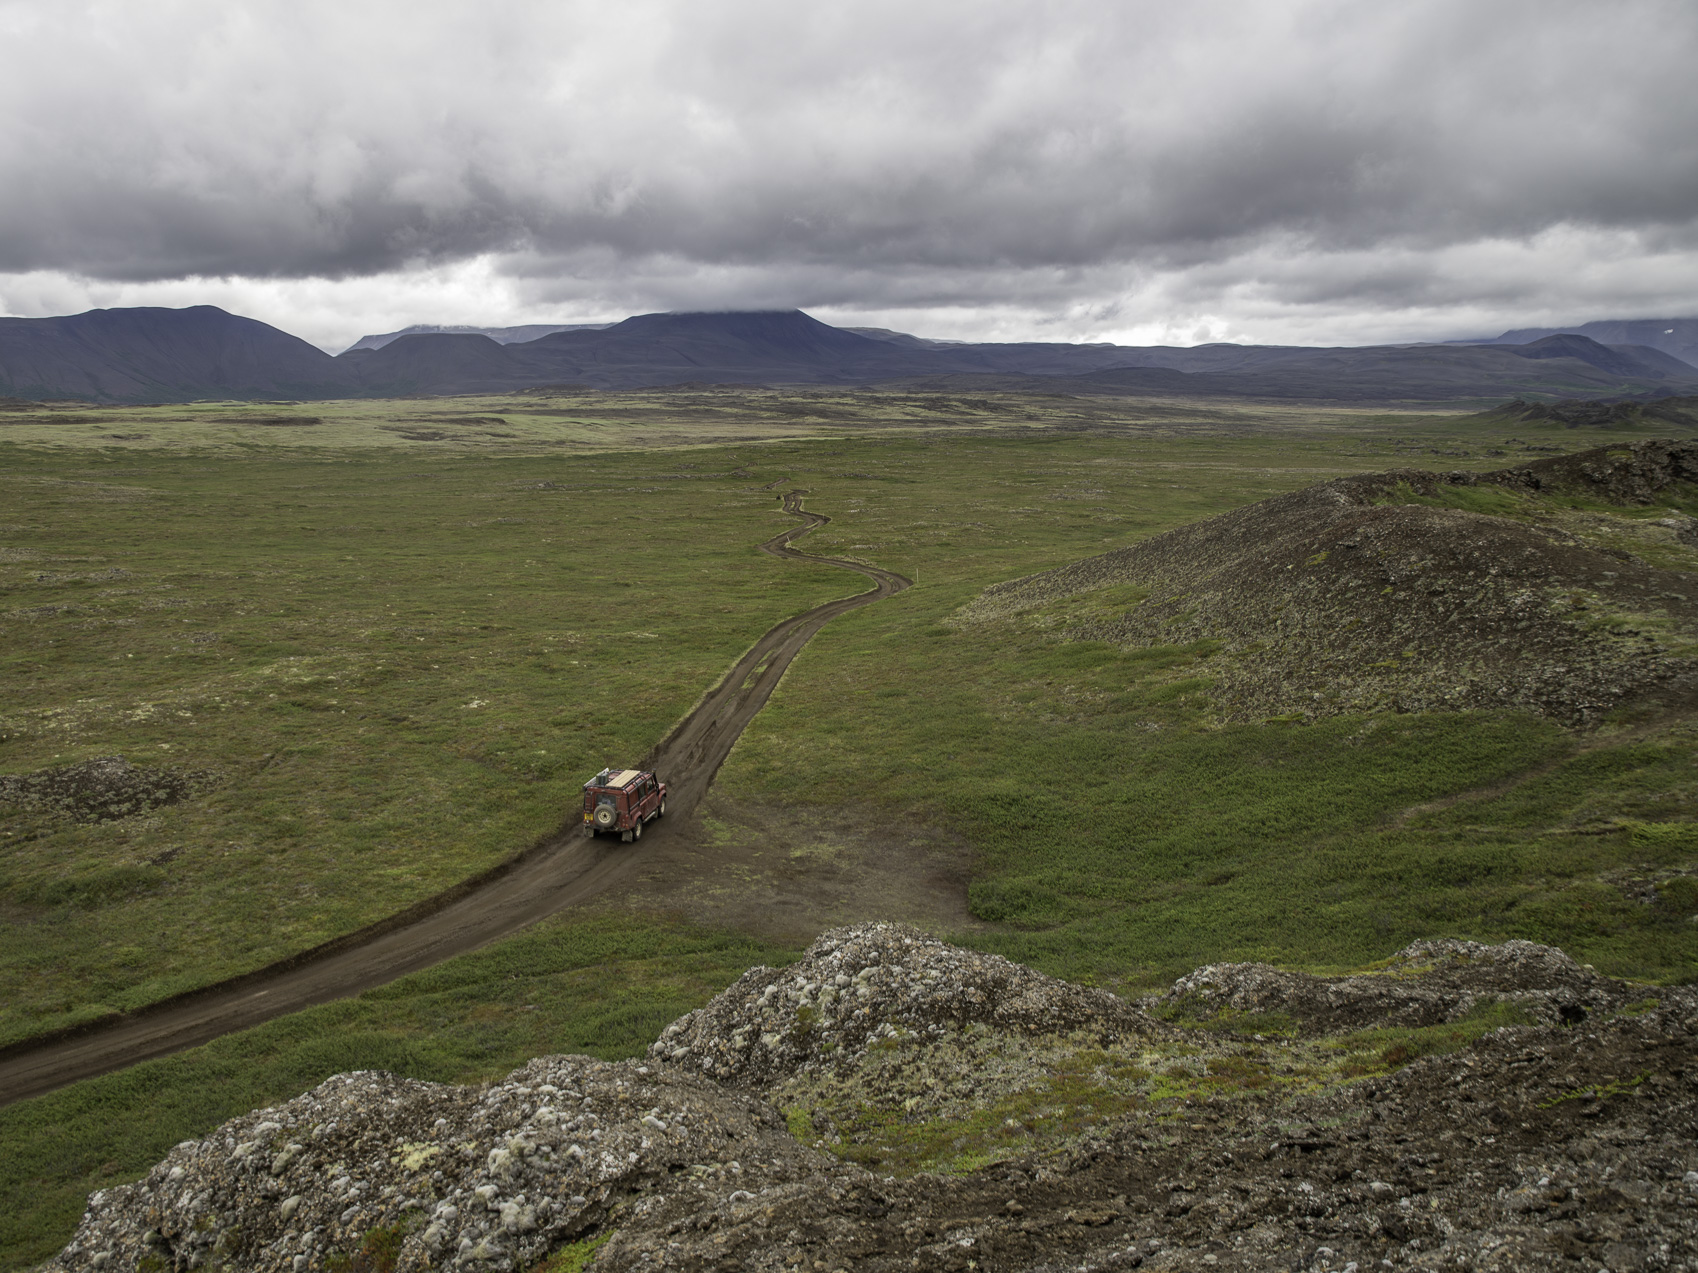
(784, 346)
(500, 335)
(164, 355)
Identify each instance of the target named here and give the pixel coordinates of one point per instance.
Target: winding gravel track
(567, 869)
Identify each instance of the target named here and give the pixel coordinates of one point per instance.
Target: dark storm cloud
(927, 152)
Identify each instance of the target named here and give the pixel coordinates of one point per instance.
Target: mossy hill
(1568, 586)
(1595, 413)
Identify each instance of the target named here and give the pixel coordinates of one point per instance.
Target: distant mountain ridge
(500, 335)
(156, 355)
(166, 355)
(1676, 336)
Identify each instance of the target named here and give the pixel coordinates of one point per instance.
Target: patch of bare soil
(56, 418)
(788, 874)
(103, 789)
(415, 435)
(465, 426)
(271, 421)
(1368, 593)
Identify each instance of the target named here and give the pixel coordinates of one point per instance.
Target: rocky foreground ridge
(1461, 1106)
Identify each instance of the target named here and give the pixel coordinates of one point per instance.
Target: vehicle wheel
(661, 812)
(637, 831)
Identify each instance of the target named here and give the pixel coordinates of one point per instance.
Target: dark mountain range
(1676, 336)
(500, 335)
(162, 355)
(430, 364)
(1568, 366)
(1620, 360)
(158, 355)
(784, 346)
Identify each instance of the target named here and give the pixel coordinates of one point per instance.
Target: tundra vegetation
(368, 649)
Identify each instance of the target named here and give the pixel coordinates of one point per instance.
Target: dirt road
(568, 869)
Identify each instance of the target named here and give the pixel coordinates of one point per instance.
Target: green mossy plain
(396, 666)
(1122, 836)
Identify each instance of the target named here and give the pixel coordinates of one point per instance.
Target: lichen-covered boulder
(1425, 983)
(425, 1175)
(857, 985)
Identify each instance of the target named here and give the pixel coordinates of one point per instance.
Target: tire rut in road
(560, 872)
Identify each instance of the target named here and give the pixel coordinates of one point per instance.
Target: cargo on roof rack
(623, 800)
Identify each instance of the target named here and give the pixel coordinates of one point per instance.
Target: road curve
(566, 869)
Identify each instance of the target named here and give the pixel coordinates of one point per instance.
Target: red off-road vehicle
(622, 800)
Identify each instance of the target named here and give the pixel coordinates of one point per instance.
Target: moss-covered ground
(1124, 835)
(395, 667)
(970, 1097)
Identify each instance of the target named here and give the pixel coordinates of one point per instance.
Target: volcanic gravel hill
(1574, 597)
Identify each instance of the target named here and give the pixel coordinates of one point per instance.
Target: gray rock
(855, 986)
(481, 1173)
(1543, 1146)
(1426, 983)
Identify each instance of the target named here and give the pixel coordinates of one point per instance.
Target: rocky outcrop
(1425, 984)
(856, 986)
(432, 1176)
(1196, 1146)
(1537, 1149)
(1635, 474)
(1597, 413)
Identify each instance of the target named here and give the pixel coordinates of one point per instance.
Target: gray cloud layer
(931, 153)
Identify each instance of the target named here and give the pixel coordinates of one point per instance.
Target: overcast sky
(1296, 172)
